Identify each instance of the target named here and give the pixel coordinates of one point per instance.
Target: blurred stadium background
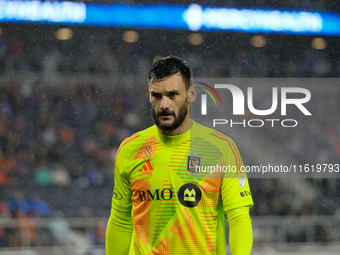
(70, 94)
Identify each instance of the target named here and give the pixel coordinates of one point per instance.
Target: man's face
(170, 102)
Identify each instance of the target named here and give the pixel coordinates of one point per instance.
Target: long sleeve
(240, 231)
(118, 232)
(237, 200)
(120, 226)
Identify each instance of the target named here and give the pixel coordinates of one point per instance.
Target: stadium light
(195, 39)
(155, 58)
(130, 36)
(319, 43)
(64, 34)
(258, 41)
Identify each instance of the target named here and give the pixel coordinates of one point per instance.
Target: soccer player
(161, 204)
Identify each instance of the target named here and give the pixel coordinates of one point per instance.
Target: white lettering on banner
(245, 19)
(43, 11)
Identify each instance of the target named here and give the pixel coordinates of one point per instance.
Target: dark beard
(178, 120)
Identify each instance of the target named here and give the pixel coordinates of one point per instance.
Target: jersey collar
(172, 141)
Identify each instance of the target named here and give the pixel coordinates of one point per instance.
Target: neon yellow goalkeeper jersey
(177, 205)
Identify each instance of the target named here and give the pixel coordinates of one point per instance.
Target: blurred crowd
(316, 139)
(64, 137)
(214, 54)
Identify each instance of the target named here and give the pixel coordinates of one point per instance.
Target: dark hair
(168, 66)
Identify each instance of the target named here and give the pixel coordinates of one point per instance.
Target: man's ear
(149, 92)
(193, 92)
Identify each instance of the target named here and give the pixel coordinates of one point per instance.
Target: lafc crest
(193, 163)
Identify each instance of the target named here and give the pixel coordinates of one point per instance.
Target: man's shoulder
(212, 136)
(134, 141)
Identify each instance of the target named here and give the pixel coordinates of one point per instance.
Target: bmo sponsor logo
(158, 194)
(189, 195)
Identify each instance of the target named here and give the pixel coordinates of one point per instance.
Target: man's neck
(178, 131)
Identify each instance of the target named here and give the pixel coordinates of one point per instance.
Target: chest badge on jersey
(193, 163)
(147, 152)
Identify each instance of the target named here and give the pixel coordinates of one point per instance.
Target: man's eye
(173, 94)
(158, 96)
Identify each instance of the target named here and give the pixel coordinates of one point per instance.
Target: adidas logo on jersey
(146, 167)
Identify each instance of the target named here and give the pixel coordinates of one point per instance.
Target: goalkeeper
(160, 204)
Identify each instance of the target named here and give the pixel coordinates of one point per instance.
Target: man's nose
(165, 102)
